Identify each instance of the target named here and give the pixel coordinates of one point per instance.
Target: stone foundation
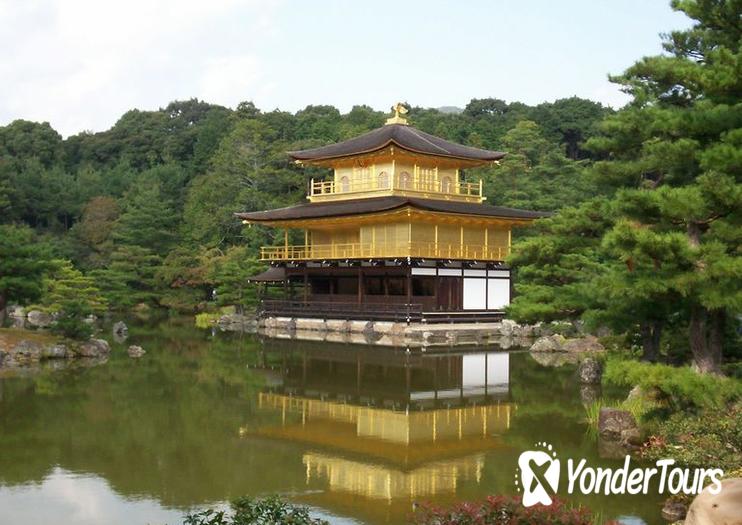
(505, 334)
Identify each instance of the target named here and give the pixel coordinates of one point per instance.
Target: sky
(80, 64)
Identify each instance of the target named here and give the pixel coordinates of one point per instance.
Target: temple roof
(319, 210)
(271, 275)
(401, 135)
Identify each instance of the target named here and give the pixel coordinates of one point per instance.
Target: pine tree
(72, 295)
(148, 219)
(22, 266)
(677, 147)
(230, 274)
(558, 263)
(129, 279)
(64, 284)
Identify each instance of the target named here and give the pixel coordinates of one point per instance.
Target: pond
(357, 433)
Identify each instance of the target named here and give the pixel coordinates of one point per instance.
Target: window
(346, 286)
(374, 285)
(383, 180)
(396, 286)
(404, 180)
(344, 184)
(446, 185)
(423, 286)
(320, 285)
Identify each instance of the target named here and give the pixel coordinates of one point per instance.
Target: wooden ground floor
(352, 288)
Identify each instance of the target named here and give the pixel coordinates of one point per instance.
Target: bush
(503, 510)
(71, 322)
(681, 388)
(249, 511)
(707, 441)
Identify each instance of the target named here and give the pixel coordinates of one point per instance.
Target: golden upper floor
(400, 239)
(396, 159)
(391, 227)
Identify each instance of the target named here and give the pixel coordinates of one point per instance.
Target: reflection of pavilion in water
(385, 425)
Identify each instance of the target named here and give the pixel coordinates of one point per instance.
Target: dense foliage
(249, 511)
(680, 388)
(699, 441)
(503, 510)
(146, 208)
(659, 246)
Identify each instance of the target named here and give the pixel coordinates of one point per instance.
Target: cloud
(80, 64)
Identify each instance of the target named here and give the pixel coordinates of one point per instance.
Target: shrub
(680, 387)
(503, 510)
(71, 322)
(249, 511)
(706, 441)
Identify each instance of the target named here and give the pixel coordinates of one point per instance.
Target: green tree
(148, 219)
(72, 295)
(535, 174)
(676, 147)
(557, 264)
(22, 266)
(64, 284)
(230, 273)
(185, 278)
(93, 231)
(129, 279)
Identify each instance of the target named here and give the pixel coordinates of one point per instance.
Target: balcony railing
(425, 187)
(426, 250)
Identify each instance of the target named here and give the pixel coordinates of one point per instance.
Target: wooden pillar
(409, 285)
(286, 243)
(306, 284)
(360, 285)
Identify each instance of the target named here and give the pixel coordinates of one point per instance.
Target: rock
(651, 394)
(562, 327)
(674, 510)
(94, 348)
(91, 319)
(507, 327)
(25, 352)
(39, 319)
(590, 371)
(589, 343)
(617, 425)
(337, 325)
(17, 316)
(724, 508)
(55, 351)
(135, 351)
(608, 449)
(237, 323)
(120, 329)
(554, 359)
(549, 343)
(523, 331)
(589, 394)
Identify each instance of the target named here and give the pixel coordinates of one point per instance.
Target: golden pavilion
(395, 233)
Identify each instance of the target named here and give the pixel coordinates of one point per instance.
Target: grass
(12, 336)
(638, 406)
(681, 388)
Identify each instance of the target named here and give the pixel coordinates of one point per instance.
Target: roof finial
(399, 110)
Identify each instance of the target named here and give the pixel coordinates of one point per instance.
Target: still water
(357, 433)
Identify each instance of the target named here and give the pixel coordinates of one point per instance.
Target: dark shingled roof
(405, 137)
(318, 210)
(271, 275)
